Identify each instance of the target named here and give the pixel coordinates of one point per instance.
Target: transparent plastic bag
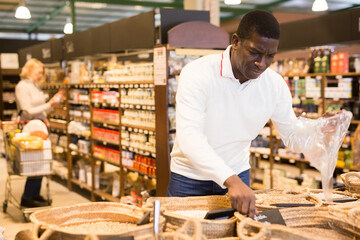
(320, 140)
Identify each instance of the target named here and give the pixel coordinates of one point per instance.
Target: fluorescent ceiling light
(232, 2)
(68, 28)
(90, 5)
(22, 12)
(319, 6)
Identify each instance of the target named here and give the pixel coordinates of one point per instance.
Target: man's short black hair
(261, 22)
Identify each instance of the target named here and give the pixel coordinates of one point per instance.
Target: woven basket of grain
(265, 198)
(302, 223)
(351, 181)
(177, 210)
(336, 195)
(104, 219)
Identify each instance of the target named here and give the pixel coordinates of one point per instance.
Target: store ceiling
(49, 16)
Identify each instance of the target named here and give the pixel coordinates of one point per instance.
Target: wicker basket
(336, 194)
(351, 181)
(104, 219)
(264, 198)
(172, 206)
(301, 223)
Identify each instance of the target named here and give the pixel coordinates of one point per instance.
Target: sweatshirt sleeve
(191, 101)
(23, 99)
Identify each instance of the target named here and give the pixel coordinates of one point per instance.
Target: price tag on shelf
(257, 154)
(318, 77)
(146, 177)
(265, 156)
(292, 161)
(277, 158)
(338, 77)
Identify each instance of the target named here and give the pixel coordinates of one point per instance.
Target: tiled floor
(13, 220)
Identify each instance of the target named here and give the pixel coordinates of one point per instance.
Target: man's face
(251, 57)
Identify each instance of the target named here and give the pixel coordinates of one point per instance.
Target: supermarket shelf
(79, 102)
(137, 130)
(81, 184)
(80, 119)
(137, 106)
(355, 122)
(106, 196)
(105, 122)
(151, 82)
(290, 158)
(81, 154)
(58, 130)
(324, 74)
(57, 116)
(127, 169)
(54, 85)
(105, 142)
(56, 145)
(138, 151)
(107, 160)
(139, 127)
(9, 71)
(80, 136)
(104, 85)
(105, 105)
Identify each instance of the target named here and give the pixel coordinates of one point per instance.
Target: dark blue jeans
(32, 187)
(180, 186)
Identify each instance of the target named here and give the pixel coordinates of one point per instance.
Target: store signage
(69, 47)
(46, 53)
(160, 66)
(28, 56)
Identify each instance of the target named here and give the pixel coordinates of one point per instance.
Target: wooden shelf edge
(81, 184)
(106, 196)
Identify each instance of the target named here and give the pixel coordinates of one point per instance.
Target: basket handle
(91, 237)
(352, 213)
(198, 233)
(45, 234)
(351, 174)
(263, 230)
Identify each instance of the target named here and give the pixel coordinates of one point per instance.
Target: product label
(160, 66)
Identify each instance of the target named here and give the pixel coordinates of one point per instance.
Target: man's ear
(234, 40)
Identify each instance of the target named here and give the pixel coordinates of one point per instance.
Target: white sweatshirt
(31, 100)
(217, 117)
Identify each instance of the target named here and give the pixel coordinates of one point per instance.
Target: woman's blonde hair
(29, 66)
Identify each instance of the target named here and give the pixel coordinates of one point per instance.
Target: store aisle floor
(13, 220)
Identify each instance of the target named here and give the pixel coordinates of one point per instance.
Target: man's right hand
(241, 196)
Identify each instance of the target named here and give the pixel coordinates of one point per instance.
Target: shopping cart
(24, 163)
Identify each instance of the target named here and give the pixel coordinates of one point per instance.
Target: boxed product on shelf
(340, 62)
(84, 146)
(116, 185)
(106, 115)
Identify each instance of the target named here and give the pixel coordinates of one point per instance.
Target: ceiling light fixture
(68, 28)
(319, 6)
(232, 2)
(22, 12)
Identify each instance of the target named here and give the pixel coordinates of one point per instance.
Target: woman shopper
(31, 104)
